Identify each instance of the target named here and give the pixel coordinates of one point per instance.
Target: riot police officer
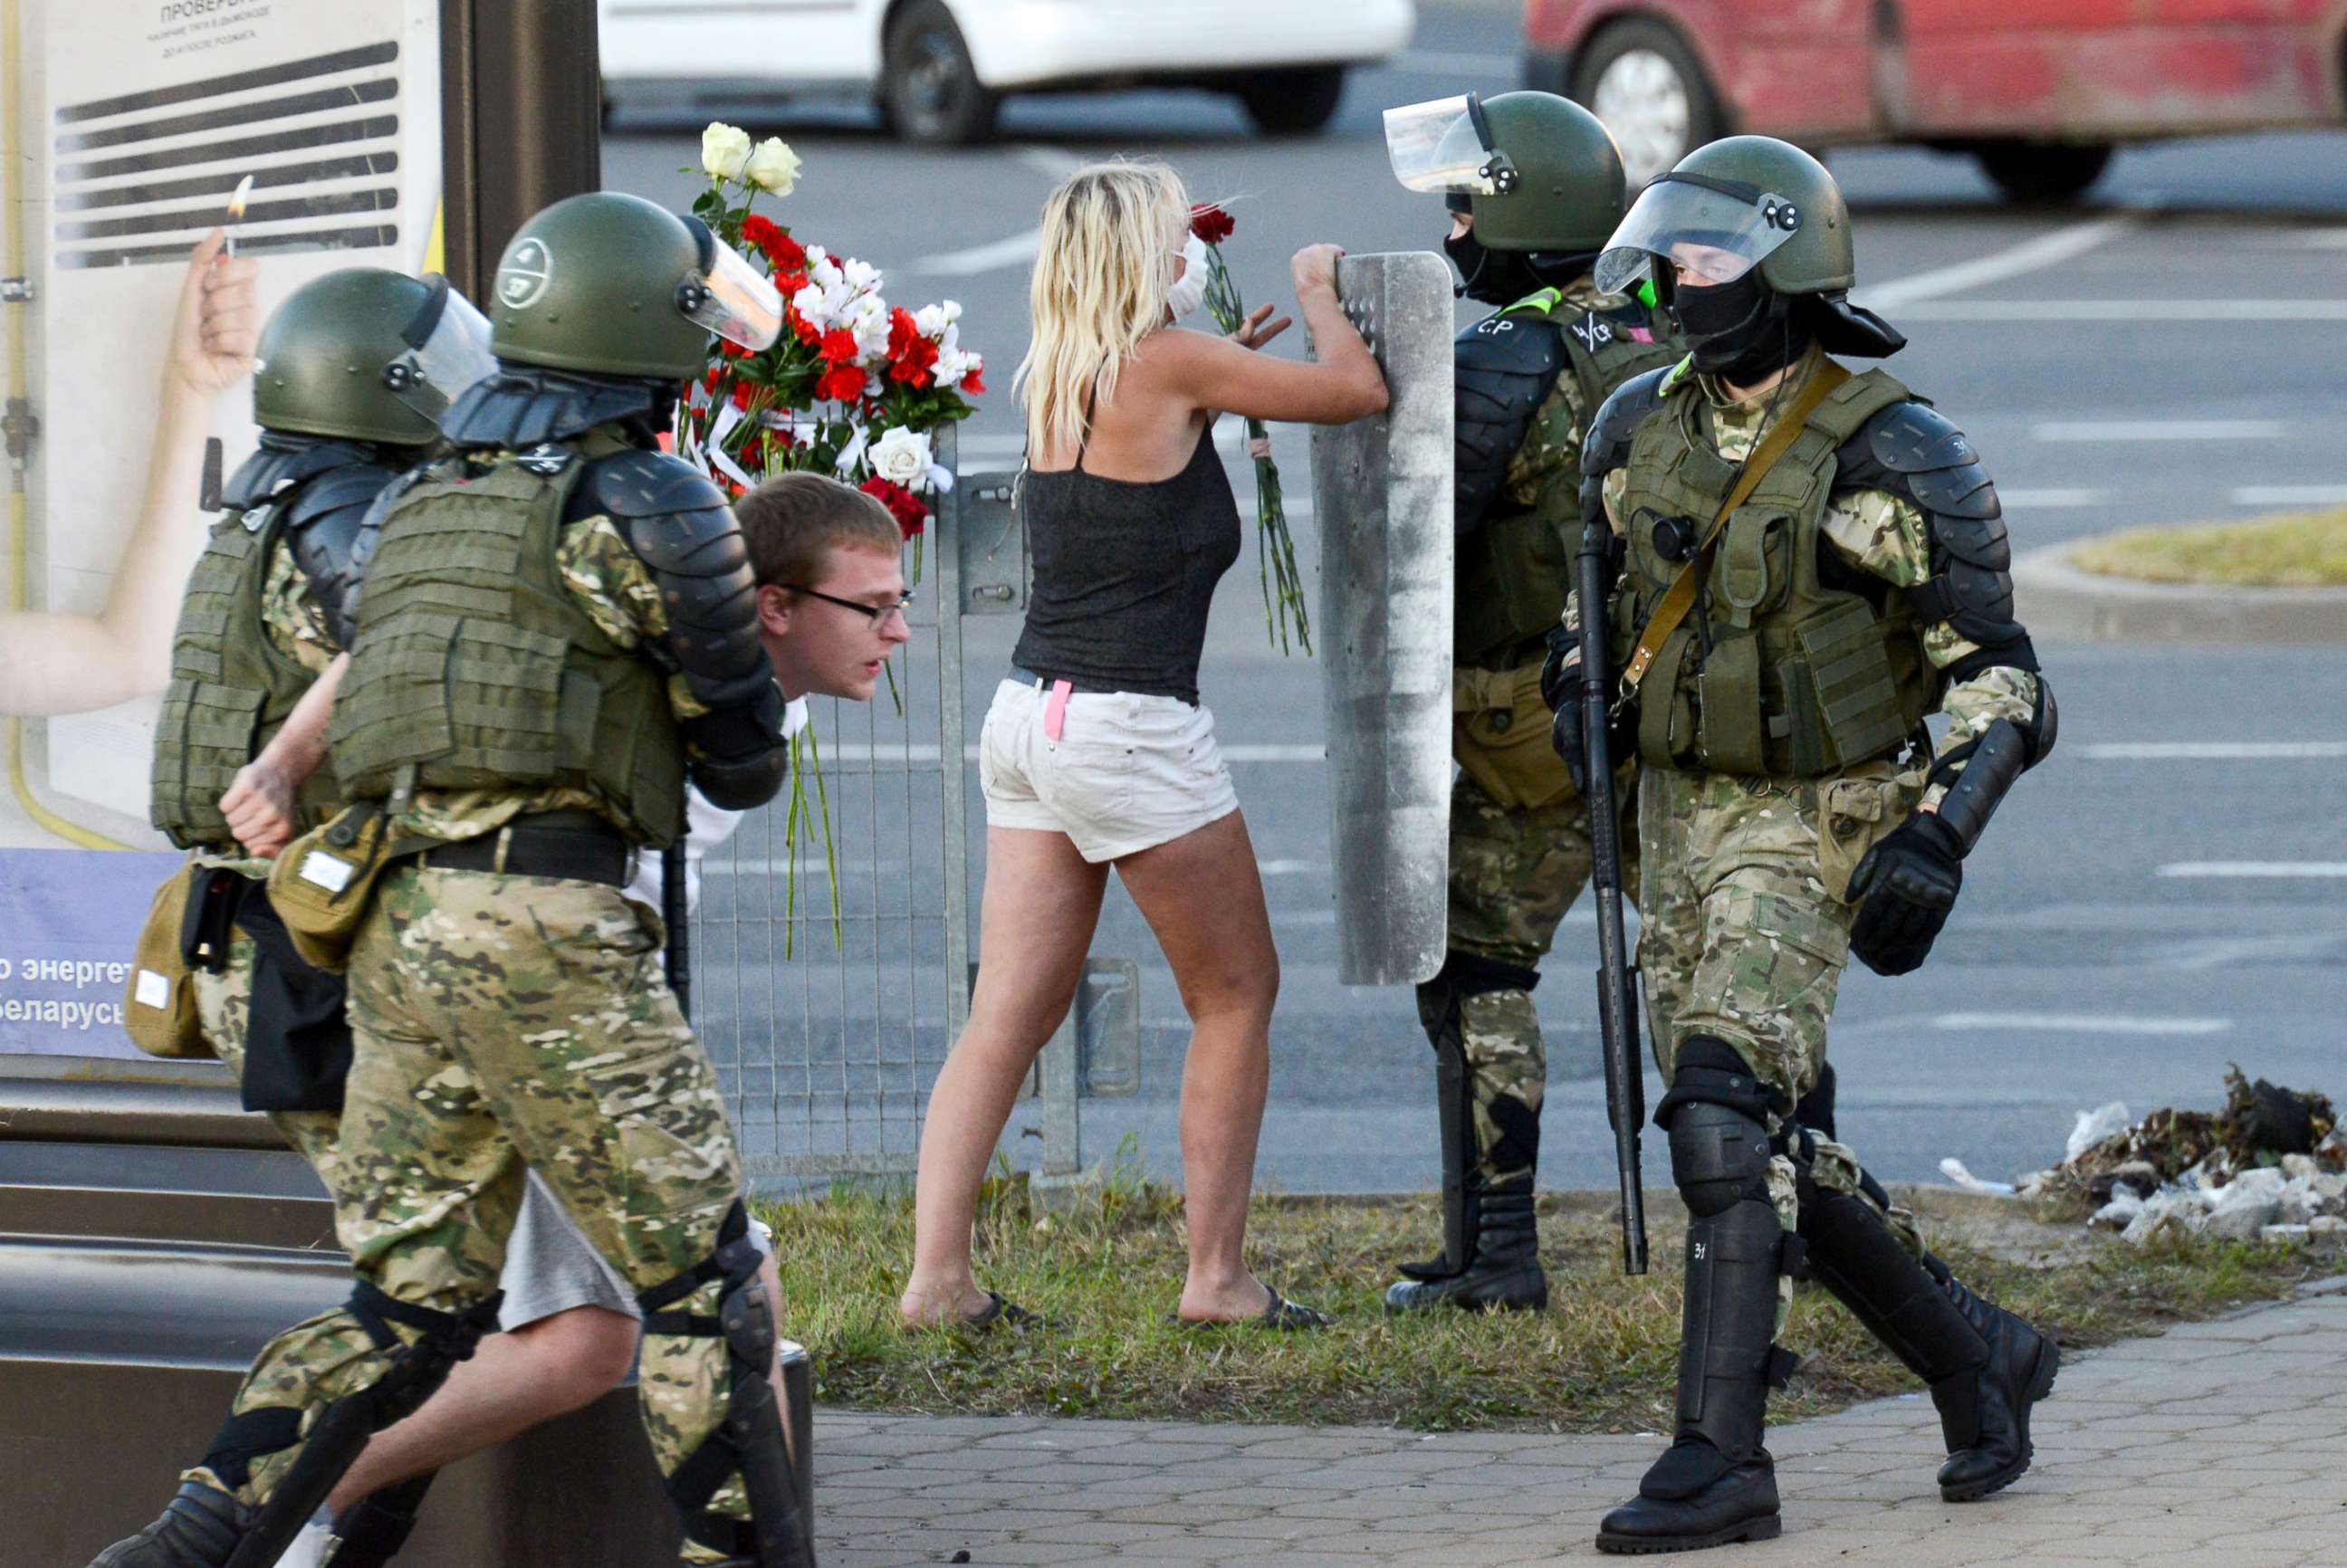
(1813, 562)
(1534, 185)
(558, 630)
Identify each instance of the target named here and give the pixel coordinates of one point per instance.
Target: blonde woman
(1096, 752)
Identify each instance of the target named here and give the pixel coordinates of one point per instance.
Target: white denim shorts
(1127, 773)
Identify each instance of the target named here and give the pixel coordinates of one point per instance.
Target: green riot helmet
(366, 354)
(1730, 206)
(1539, 172)
(611, 284)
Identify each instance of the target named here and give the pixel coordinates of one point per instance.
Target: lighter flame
(236, 202)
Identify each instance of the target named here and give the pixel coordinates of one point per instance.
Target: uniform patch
(324, 871)
(545, 461)
(522, 281)
(1593, 330)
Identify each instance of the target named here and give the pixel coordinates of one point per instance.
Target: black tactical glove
(1561, 688)
(1904, 889)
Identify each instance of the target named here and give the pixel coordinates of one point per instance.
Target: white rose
(774, 167)
(725, 151)
(901, 456)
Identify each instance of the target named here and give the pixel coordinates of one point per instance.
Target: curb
(2060, 604)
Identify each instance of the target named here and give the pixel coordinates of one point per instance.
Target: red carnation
(839, 346)
(808, 333)
(844, 384)
(1210, 223)
(972, 381)
(743, 391)
(912, 517)
(787, 254)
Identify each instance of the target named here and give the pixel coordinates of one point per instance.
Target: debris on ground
(2271, 1165)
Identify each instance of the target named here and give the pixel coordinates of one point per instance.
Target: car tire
(1641, 78)
(2043, 172)
(1296, 102)
(929, 92)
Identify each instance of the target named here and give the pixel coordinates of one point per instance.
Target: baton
(676, 913)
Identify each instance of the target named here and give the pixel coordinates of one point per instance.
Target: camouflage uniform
(503, 1022)
(1741, 937)
(296, 627)
(1520, 843)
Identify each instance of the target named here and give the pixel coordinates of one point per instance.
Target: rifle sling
(1679, 598)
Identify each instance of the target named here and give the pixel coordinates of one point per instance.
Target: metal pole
(521, 106)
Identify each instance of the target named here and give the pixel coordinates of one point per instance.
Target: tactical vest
(232, 690)
(1512, 573)
(1792, 665)
(474, 668)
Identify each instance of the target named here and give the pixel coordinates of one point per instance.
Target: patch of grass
(1107, 1271)
(2303, 550)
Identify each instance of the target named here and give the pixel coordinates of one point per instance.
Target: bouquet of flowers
(1283, 583)
(854, 387)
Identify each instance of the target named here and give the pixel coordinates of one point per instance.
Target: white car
(940, 68)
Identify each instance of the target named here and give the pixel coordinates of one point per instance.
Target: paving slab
(2217, 1442)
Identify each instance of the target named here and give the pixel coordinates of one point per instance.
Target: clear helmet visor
(447, 351)
(1436, 146)
(1715, 232)
(730, 297)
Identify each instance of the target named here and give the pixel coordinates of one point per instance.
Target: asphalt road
(2166, 896)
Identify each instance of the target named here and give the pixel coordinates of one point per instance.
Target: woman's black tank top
(1124, 573)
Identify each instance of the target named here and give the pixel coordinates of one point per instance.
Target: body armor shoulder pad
(1506, 367)
(282, 460)
(325, 524)
(1607, 445)
(520, 407)
(1912, 451)
(676, 520)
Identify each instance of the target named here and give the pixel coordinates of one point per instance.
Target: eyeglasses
(877, 613)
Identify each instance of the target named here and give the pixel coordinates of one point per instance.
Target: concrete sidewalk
(2221, 1443)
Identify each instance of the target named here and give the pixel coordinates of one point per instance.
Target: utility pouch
(297, 1042)
(1857, 812)
(324, 881)
(1500, 733)
(1733, 734)
(158, 1010)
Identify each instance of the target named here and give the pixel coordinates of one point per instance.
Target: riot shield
(1381, 493)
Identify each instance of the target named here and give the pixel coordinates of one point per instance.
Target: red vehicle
(2040, 91)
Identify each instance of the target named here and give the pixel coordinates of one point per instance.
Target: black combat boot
(1985, 1367)
(201, 1529)
(1491, 1240)
(1716, 1484)
(372, 1529)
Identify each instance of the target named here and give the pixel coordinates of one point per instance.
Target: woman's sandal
(1280, 1312)
(999, 1314)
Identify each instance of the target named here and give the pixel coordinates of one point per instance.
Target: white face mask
(1189, 290)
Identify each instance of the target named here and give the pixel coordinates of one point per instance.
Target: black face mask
(1492, 277)
(1741, 331)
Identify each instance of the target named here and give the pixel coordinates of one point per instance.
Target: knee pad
(749, 1438)
(1720, 1158)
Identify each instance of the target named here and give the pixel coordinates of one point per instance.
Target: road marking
(1291, 867)
(2052, 497)
(2294, 870)
(2029, 256)
(1262, 754)
(1016, 251)
(1444, 63)
(2159, 430)
(2290, 496)
(2080, 1023)
(2212, 750)
(2318, 239)
(1019, 249)
(2130, 310)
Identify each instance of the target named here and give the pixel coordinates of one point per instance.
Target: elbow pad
(737, 754)
(679, 525)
